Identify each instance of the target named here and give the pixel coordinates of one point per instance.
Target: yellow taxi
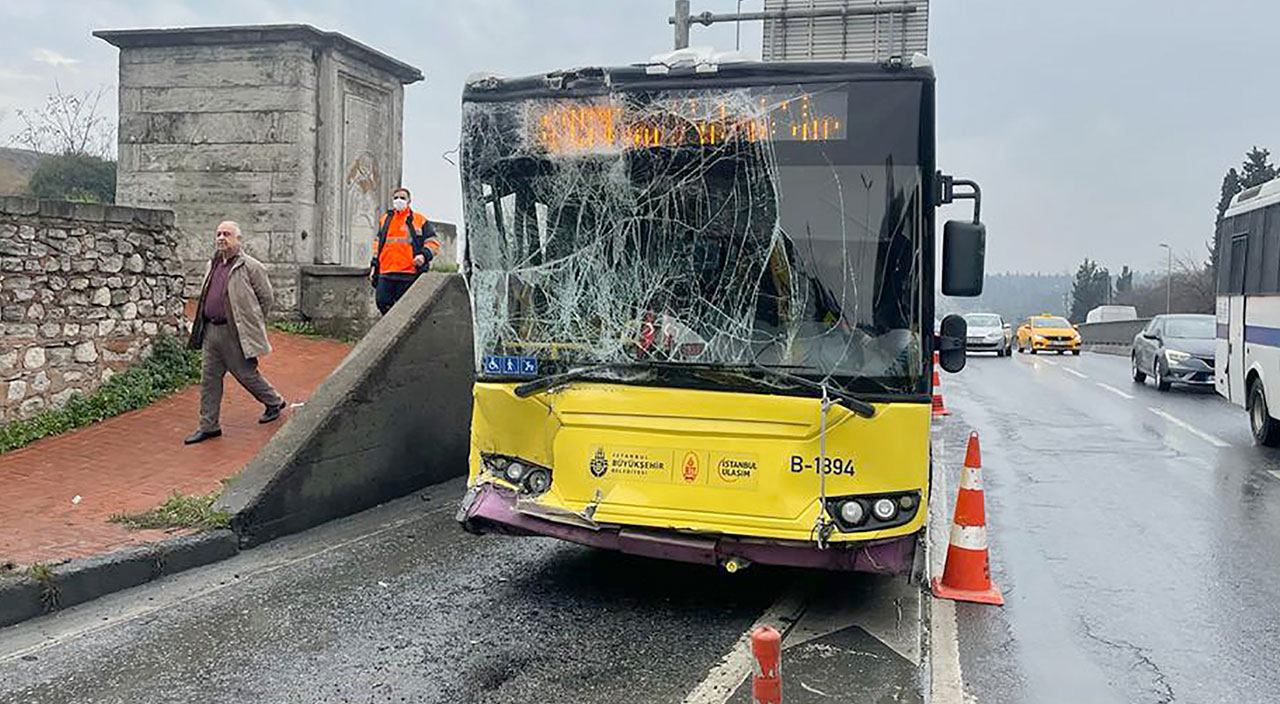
(1048, 333)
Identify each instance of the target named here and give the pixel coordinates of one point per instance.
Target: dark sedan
(1175, 349)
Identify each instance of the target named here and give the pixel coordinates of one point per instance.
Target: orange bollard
(766, 651)
(967, 575)
(939, 409)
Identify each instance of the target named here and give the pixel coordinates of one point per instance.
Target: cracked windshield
(734, 227)
(612, 352)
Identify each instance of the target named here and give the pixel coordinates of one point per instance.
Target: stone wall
(293, 132)
(84, 289)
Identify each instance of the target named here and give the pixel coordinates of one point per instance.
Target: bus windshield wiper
(541, 384)
(846, 398)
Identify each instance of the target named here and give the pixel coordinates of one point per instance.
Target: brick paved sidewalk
(134, 461)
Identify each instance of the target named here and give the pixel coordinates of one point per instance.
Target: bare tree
(1192, 290)
(1196, 282)
(67, 124)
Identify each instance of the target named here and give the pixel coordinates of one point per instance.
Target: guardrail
(1115, 334)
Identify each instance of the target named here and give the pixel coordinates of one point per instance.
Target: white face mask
(399, 203)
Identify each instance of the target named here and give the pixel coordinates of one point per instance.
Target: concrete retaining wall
(394, 417)
(1114, 332)
(1111, 337)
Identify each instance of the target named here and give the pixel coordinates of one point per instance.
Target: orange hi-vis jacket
(403, 242)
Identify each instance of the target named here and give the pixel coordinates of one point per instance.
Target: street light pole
(681, 22)
(1168, 280)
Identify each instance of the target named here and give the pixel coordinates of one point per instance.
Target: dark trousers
(222, 354)
(390, 290)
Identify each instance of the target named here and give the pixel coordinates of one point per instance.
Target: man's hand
(420, 261)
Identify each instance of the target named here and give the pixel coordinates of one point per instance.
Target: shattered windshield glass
(777, 226)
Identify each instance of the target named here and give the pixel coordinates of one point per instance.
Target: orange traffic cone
(967, 575)
(939, 409)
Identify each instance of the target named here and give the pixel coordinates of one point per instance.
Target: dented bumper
(487, 508)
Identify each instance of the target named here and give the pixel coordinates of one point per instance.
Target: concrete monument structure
(292, 131)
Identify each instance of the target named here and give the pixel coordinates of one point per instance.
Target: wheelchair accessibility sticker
(511, 366)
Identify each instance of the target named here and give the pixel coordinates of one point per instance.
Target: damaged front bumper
(487, 508)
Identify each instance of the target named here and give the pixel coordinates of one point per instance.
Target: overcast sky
(1096, 128)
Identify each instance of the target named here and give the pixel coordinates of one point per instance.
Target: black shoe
(200, 436)
(273, 412)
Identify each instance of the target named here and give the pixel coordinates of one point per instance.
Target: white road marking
(1212, 440)
(734, 667)
(946, 683)
(1073, 372)
(1052, 364)
(815, 690)
(1114, 390)
(946, 686)
(1274, 473)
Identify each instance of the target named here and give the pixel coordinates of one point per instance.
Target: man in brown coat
(231, 329)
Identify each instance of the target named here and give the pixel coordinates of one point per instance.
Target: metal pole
(1168, 280)
(681, 21)
(710, 18)
(737, 30)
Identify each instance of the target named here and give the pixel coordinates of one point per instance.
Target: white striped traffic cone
(939, 408)
(967, 575)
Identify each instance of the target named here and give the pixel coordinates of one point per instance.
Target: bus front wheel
(1266, 431)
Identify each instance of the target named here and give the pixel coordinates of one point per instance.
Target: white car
(989, 333)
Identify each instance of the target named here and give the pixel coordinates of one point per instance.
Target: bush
(170, 367)
(74, 177)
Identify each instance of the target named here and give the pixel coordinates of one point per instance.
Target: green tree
(1230, 187)
(75, 177)
(1090, 289)
(1257, 168)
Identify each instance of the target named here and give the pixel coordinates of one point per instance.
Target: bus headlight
(528, 478)
(884, 509)
(538, 481)
(852, 512)
(874, 511)
(514, 472)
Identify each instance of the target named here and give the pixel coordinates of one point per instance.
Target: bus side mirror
(964, 249)
(952, 342)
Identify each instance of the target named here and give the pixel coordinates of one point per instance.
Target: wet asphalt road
(421, 612)
(399, 605)
(1137, 539)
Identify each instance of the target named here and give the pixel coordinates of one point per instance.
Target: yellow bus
(703, 301)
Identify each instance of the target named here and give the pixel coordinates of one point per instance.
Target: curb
(78, 581)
